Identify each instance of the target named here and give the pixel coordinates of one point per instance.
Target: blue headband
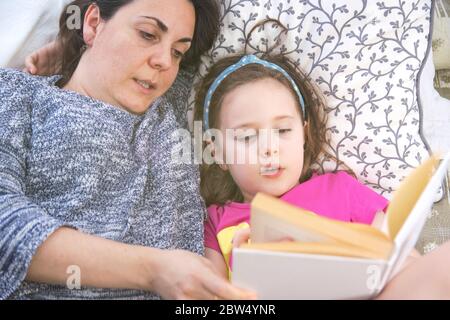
(248, 59)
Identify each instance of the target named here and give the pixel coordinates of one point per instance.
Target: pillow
(34, 24)
(435, 110)
(365, 56)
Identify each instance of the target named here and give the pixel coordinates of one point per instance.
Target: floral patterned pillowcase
(365, 56)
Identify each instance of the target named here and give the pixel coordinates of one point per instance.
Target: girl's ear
(305, 133)
(92, 22)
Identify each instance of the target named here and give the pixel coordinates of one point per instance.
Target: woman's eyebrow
(161, 25)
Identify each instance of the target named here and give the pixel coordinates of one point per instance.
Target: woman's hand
(184, 275)
(103, 263)
(45, 61)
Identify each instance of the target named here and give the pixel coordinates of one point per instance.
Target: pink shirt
(334, 195)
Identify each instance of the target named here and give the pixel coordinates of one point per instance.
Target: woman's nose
(161, 59)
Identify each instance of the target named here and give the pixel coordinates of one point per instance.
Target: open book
(331, 259)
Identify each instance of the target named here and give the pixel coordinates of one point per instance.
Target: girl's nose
(270, 152)
(268, 143)
(269, 157)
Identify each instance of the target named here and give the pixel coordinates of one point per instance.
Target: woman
(88, 194)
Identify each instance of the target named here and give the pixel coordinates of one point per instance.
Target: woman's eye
(146, 35)
(178, 54)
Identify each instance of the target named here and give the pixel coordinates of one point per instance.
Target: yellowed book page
(317, 248)
(273, 210)
(407, 195)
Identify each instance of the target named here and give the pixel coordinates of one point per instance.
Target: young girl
(243, 96)
(257, 96)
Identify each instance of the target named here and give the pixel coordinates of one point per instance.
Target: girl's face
(251, 108)
(134, 57)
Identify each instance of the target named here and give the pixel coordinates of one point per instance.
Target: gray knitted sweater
(70, 160)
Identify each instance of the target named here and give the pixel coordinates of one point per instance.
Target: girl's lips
(272, 174)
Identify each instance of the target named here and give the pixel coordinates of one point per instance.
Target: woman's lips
(145, 87)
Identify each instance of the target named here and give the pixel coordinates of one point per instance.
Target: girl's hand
(243, 236)
(45, 61)
(183, 275)
(240, 237)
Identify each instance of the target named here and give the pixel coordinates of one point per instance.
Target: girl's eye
(146, 35)
(282, 131)
(246, 139)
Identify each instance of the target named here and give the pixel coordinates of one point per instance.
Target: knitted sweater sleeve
(24, 226)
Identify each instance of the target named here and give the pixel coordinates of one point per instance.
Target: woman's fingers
(220, 288)
(44, 61)
(30, 63)
(195, 279)
(211, 286)
(227, 291)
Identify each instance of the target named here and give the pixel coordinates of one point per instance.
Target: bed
(373, 60)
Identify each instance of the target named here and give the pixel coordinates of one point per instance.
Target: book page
(272, 219)
(316, 248)
(266, 228)
(405, 198)
(407, 234)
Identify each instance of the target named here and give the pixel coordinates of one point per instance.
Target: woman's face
(133, 58)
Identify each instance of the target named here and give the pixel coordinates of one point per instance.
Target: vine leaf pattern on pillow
(365, 56)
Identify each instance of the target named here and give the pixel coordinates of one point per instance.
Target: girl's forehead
(259, 101)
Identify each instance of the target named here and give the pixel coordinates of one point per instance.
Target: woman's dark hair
(71, 40)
